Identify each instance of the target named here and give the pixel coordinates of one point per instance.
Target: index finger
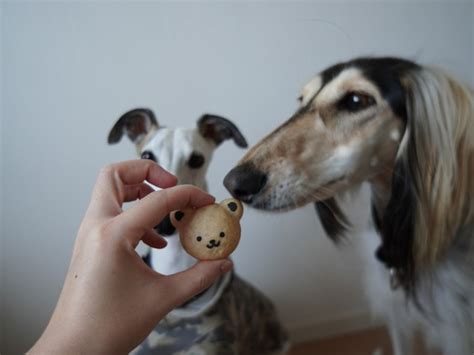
(148, 212)
(109, 191)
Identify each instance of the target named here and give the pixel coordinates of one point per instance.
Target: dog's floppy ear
(432, 189)
(219, 129)
(135, 123)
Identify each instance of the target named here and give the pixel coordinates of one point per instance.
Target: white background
(70, 69)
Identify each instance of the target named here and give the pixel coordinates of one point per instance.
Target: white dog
(231, 317)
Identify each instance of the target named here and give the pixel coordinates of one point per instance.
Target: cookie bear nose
(245, 181)
(212, 241)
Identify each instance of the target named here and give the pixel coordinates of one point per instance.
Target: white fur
(442, 302)
(172, 147)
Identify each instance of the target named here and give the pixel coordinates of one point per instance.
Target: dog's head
(185, 152)
(381, 120)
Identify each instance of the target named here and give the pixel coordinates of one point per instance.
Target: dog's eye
(148, 155)
(196, 160)
(354, 101)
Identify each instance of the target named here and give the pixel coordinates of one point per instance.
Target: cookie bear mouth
(213, 244)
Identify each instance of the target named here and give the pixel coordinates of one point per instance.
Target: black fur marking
(178, 215)
(383, 72)
(333, 220)
(397, 227)
(232, 206)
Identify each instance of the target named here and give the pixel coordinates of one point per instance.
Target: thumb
(184, 285)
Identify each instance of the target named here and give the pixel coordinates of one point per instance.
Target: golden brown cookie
(210, 232)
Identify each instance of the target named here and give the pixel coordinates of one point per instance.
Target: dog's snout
(244, 182)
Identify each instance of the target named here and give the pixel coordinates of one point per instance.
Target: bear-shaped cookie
(210, 232)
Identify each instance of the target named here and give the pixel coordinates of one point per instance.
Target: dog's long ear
(135, 123)
(219, 129)
(432, 190)
(333, 220)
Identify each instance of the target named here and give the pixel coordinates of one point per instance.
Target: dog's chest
(171, 259)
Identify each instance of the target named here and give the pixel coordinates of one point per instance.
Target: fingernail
(226, 266)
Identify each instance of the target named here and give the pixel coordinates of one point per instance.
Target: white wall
(69, 70)
(2, 268)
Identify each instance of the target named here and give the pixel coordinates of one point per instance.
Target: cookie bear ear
(176, 217)
(234, 207)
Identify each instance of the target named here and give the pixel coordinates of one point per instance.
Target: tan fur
(309, 151)
(441, 111)
(307, 146)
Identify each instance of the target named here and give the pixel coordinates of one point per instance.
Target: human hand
(111, 300)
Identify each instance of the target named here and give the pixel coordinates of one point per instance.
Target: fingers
(184, 285)
(149, 211)
(111, 190)
(136, 192)
(154, 240)
(133, 172)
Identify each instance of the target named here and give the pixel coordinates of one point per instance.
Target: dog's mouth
(165, 227)
(273, 200)
(213, 244)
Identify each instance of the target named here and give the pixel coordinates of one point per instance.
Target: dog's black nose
(245, 181)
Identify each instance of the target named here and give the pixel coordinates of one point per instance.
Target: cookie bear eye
(222, 235)
(199, 238)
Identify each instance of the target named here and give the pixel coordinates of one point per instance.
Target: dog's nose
(244, 182)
